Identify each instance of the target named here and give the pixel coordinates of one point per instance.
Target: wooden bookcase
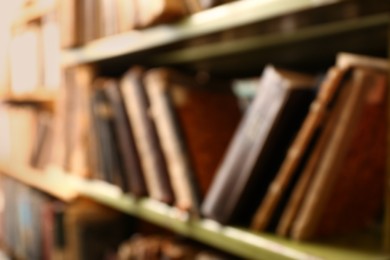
(217, 40)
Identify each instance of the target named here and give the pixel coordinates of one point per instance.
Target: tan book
(68, 20)
(347, 60)
(296, 153)
(193, 130)
(152, 12)
(338, 163)
(145, 135)
(127, 15)
(108, 17)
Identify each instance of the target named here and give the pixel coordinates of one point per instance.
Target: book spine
(146, 139)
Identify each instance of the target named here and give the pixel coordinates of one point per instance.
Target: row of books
(35, 226)
(86, 20)
(296, 162)
(29, 222)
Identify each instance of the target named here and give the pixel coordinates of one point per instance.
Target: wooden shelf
(237, 241)
(39, 97)
(51, 182)
(210, 21)
(234, 240)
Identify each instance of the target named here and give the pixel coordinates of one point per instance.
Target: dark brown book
(355, 156)
(125, 139)
(145, 136)
(259, 146)
(193, 129)
(278, 188)
(304, 178)
(152, 12)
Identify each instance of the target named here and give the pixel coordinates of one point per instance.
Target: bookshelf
(47, 181)
(171, 45)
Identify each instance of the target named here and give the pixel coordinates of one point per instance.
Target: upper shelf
(210, 21)
(253, 32)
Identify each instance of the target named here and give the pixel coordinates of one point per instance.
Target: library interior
(148, 129)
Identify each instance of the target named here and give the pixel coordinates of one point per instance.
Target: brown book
(355, 155)
(304, 178)
(193, 130)
(125, 139)
(278, 188)
(347, 60)
(89, 20)
(259, 145)
(152, 12)
(145, 135)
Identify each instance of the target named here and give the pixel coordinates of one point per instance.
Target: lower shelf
(234, 240)
(240, 242)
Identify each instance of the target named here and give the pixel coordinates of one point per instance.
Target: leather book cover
(258, 146)
(195, 123)
(151, 12)
(125, 139)
(355, 156)
(145, 136)
(304, 177)
(295, 156)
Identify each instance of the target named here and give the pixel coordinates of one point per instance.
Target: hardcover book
(258, 146)
(124, 138)
(193, 129)
(145, 136)
(279, 188)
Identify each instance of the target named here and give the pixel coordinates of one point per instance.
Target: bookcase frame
(240, 242)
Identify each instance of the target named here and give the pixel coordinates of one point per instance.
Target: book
(125, 138)
(43, 141)
(210, 3)
(341, 177)
(108, 17)
(153, 12)
(193, 143)
(145, 134)
(258, 146)
(110, 167)
(289, 170)
(300, 187)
